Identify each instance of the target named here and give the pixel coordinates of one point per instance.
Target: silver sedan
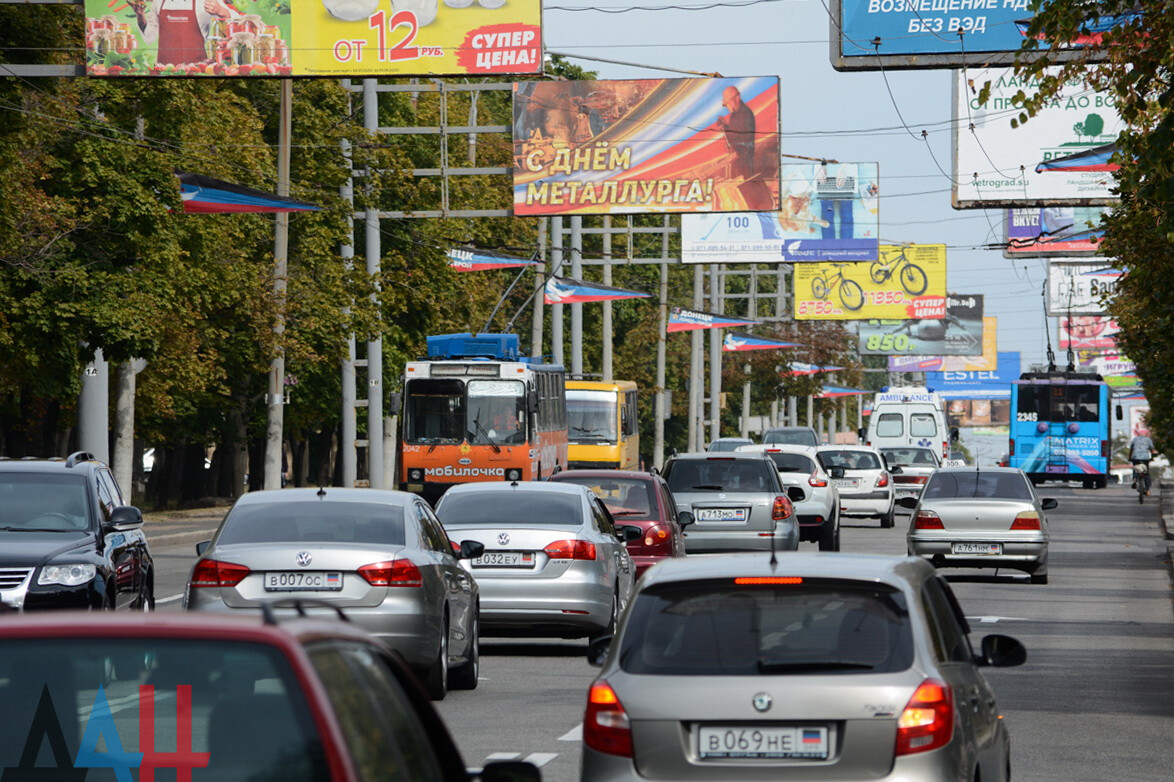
(554, 563)
(967, 517)
(845, 667)
(380, 557)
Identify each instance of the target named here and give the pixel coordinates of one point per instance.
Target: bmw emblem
(303, 558)
(761, 701)
(503, 538)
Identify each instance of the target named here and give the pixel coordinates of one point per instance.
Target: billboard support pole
(556, 310)
(607, 335)
(538, 316)
(349, 423)
(662, 330)
(752, 311)
(716, 284)
(577, 309)
(696, 359)
(275, 402)
(375, 443)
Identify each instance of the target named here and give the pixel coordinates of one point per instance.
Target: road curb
(1165, 511)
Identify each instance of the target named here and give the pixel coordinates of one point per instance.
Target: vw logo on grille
(303, 558)
(761, 701)
(503, 538)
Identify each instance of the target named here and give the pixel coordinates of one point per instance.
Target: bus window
(434, 411)
(497, 412)
(890, 425)
(1085, 402)
(922, 425)
(591, 416)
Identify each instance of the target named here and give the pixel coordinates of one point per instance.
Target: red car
(643, 500)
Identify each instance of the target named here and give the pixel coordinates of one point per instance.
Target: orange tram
(476, 410)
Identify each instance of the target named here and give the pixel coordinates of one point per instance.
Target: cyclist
(1141, 451)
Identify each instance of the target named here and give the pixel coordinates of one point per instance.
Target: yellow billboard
(310, 38)
(905, 282)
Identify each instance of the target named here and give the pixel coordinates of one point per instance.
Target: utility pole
(696, 360)
(577, 309)
(275, 400)
(662, 328)
(608, 374)
(716, 288)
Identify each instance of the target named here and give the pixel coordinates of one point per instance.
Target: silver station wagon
(818, 667)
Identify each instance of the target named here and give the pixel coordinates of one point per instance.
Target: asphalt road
(1094, 702)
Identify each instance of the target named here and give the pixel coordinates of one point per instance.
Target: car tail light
(656, 535)
(571, 549)
(945, 449)
(765, 580)
(882, 480)
(928, 719)
(606, 727)
(816, 481)
(1027, 520)
(211, 573)
(782, 509)
(927, 519)
(396, 573)
(919, 479)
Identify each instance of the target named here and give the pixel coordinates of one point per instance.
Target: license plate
(505, 559)
(303, 581)
(764, 743)
(907, 492)
(846, 483)
(721, 514)
(981, 549)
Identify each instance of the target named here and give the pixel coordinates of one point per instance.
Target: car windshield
(592, 416)
(790, 437)
(999, 485)
(627, 498)
(196, 694)
(313, 521)
(43, 502)
(910, 457)
(510, 509)
(717, 628)
(719, 474)
(791, 462)
(850, 460)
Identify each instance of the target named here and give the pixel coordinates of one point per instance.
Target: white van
(908, 416)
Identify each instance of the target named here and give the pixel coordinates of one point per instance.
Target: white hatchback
(866, 490)
(819, 511)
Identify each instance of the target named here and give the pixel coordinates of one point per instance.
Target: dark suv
(68, 540)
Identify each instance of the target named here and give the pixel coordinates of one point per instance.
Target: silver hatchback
(834, 667)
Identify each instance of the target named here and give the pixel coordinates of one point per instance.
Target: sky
(826, 114)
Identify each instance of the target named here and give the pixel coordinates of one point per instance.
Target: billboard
(1088, 332)
(957, 334)
(646, 145)
(995, 164)
(987, 361)
(922, 34)
(331, 38)
(1078, 288)
(828, 212)
(1139, 425)
(906, 282)
(1115, 367)
(986, 384)
(979, 412)
(1053, 230)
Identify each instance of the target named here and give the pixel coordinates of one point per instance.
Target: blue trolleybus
(1060, 427)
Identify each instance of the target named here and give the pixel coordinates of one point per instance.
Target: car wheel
(887, 521)
(465, 676)
(147, 593)
(436, 680)
(1039, 578)
(829, 537)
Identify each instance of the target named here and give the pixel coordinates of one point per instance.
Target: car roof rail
(298, 604)
(79, 456)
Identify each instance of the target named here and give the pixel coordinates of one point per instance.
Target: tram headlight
(513, 474)
(416, 474)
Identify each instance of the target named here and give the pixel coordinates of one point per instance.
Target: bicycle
(851, 294)
(1141, 480)
(913, 278)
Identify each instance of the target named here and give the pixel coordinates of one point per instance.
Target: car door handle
(974, 701)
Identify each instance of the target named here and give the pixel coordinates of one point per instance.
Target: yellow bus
(602, 431)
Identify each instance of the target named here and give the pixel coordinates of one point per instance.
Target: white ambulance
(908, 416)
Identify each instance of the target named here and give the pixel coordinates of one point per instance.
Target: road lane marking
(503, 756)
(574, 734)
(540, 759)
(170, 599)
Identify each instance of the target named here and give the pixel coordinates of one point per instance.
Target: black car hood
(25, 549)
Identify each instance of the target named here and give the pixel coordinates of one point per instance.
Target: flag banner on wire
(800, 368)
(681, 319)
(1095, 159)
(205, 195)
(564, 290)
(737, 341)
(834, 392)
(479, 260)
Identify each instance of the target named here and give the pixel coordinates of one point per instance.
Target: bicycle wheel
(851, 295)
(819, 288)
(879, 272)
(913, 279)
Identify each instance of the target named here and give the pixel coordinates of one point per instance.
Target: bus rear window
(1063, 403)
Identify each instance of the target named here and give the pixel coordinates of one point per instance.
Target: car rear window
(791, 437)
(314, 521)
(910, 457)
(718, 628)
(728, 445)
(850, 460)
(998, 485)
(195, 694)
(510, 509)
(626, 498)
(791, 462)
(720, 474)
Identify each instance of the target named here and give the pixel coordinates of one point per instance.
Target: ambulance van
(908, 416)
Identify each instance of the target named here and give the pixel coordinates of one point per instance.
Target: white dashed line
(574, 734)
(171, 599)
(503, 756)
(540, 759)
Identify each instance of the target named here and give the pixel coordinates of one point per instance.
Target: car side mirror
(685, 518)
(836, 472)
(796, 494)
(471, 549)
(1120, 413)
(628, 532)
(1002, 651)
(125, 517)
(895, 469)
(202, 546)
(597, 650)
(1048, 503)
(510, 771)
(908, 502)
(861, 433)
(954, 435)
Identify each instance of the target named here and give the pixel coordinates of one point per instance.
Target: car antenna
(321, 491)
